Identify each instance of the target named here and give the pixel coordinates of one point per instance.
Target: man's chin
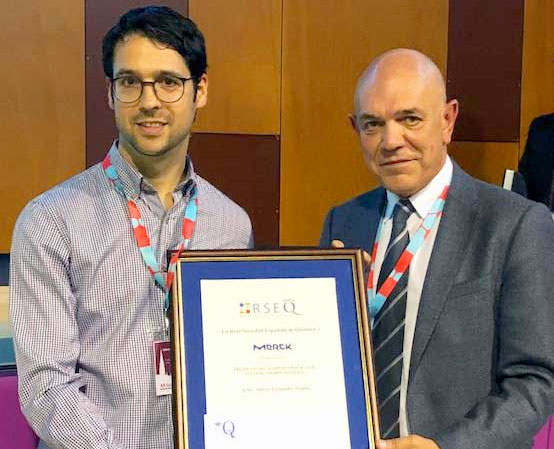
(152, 150)
(149, 148)
(401, 187)
(153, 153)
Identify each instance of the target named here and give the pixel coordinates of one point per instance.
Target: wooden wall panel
(326, 45)
(243, 38)
(246, 168)
(100, 16)
(43, 94)
(537, 83)
(485, 160)
(484, 68)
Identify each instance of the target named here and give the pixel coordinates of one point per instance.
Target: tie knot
(403, 210)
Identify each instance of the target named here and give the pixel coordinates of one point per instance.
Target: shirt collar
(424, 199)
(134, 182)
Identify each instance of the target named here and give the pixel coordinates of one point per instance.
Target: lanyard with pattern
(376, 301)
(143, 239)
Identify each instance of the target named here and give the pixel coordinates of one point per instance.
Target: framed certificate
(271, 349)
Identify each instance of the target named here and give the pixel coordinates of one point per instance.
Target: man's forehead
(395, 113)
(393, 98)
(398, 76)
(138, 53)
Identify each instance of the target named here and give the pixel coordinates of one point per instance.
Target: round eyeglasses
(129, 88)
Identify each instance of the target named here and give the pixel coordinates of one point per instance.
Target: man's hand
(366, 258)
(409, 442)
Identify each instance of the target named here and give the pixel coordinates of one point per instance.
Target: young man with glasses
(88, 262)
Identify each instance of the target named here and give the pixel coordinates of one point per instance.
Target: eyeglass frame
(152, 83)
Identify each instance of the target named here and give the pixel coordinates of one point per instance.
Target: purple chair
(15, 433)
(545, 438)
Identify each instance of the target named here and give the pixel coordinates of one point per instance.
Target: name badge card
(271, 349)
(162, 364)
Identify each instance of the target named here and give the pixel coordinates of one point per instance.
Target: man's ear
(449, 116)
(109, 91)
(202, 91)
(353, 122)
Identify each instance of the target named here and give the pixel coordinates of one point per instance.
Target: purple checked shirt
(85, 311)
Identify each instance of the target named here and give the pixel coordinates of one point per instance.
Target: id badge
(162, 359)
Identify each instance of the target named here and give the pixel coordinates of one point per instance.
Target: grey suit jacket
(482, 365)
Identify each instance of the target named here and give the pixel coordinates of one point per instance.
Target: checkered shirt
(85, 311)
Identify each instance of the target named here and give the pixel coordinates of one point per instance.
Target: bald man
(462, 326)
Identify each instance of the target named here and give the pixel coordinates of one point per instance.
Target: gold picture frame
(344, 265)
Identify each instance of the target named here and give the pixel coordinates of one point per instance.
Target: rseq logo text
(284, 307)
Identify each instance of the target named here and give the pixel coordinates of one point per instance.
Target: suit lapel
(448, 250)
(374, 218)
(367, 215)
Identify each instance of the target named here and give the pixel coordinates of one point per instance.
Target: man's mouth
(395, 162)
(151, 128)
(151, 124)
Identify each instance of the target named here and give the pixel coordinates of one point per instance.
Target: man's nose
(149, 100)
(393, 136)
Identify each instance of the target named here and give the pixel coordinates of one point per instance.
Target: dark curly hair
(163, 25)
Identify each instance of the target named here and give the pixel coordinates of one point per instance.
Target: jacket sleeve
(326, 232)
(522, 398)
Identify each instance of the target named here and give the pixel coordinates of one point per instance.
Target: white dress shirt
(422, 202)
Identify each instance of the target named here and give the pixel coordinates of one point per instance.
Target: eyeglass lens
(128, 89)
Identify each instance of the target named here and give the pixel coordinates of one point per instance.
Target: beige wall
(243, 38)
(537, 80)
(42, 79)
(277, 67)
(326, 45)
(486, 160)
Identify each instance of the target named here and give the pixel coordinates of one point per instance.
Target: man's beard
(137, 148)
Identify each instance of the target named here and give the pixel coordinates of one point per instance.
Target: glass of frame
(272, 349)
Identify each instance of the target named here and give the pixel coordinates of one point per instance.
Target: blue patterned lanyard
(143, 239)
(375, 302)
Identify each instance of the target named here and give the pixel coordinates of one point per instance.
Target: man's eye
(369, 125)
(129, 81)
(169, 82)
(412, 120)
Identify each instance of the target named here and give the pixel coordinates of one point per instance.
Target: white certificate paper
(272, 347)
(273, 432)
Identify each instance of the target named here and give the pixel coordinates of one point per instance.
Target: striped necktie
(388, 326)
